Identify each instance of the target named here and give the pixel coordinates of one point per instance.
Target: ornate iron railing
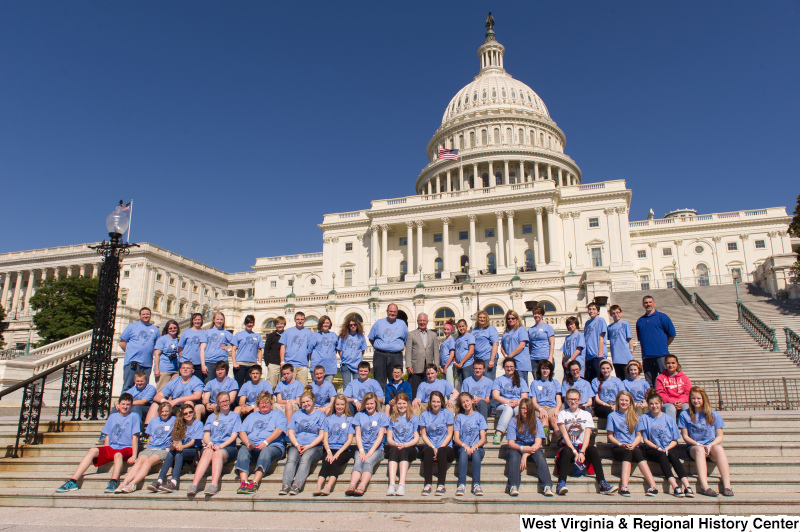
(792, 345)
(752, 394)
(8, 354)
(702, 305)
(684, 292)
(765, 335)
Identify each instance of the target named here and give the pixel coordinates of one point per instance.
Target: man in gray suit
(422, 348)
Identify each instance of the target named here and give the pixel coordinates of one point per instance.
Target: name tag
(539, 388)
(166, 429)
(374, 423)
(216, 423)
(344, 425)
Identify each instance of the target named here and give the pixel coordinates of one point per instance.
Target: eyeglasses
(511, 318)
(573, 400)
(224, 402)
(509, 367)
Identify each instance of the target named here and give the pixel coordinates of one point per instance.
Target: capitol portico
(507, 219)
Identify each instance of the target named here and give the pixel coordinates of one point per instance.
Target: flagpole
(130, 222)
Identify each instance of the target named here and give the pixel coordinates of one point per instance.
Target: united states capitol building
(510, 218)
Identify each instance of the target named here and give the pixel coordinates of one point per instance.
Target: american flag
(448, 155)
(127, 206)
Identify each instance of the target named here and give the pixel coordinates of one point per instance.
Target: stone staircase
(763, 448)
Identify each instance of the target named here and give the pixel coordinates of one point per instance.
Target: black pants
(406, 454)
(242, 374)
(602, 411)
(621, 454)
(444, 456)
(382, 364)
(592, 457)
(415, 379)
(334, 469)
(619, 369)
(665, 460)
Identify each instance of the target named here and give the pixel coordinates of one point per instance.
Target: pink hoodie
(673, 388)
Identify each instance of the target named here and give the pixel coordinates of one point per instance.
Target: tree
(65, 307)
(2, 317)
(794, 229)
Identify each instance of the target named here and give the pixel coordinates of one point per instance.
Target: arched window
(353, 316)
(484, 140)
(530, 266)
(498, 178)
(485, 178)
(491, 264)
(496, 136)
(461, 141)
(439, 319)
(547, 306)
(268, 327)
(541, 139)
(438, 266)
(471, 139)
(521, 136)
(311, 322)
(403, 270)
(702, 274)
(496, 315)
(464, 261)
(508, 135)
(512, 178)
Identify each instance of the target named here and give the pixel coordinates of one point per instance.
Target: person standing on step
(487, 341)
(247, 351)
(138, 341)
(422, 349)
(620, 341)
(351, 347)
(447, 352)
(464, 354)
(514, 344)
(541, 339)
(219, 342)
(594, 332)
(574, 348)
(322, 349)
(294, 349)
(388, 338)
(272, 352)
(192, 345)
(655, 332)
(165, 355)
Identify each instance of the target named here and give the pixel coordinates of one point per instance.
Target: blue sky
(235, 126)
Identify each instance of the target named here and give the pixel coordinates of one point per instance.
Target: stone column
(506, 178)
(491, 174)
(373, 250)
(559, 177)
(384, 247)
(448, 182)
(446, 244)
(624, 233)
(29, 290)
(549, 172)
(4, 300)
(552, 235)
(568, 234)
(410, 246)
(461, 178)
(429, 187)
(536, 171)
(96, 269)
(539, 238)
(419, 246)
(17, 287)
(501, 245)
(511, 251)
(472, 218)
(522, 173)
(474, 176)
(151, 288)
(744, 238)
(578, 257)
(612, 241)
(438, 183)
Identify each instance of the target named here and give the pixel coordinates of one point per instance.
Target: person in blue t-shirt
(625, 441)
(436, 431)
(464, 353)
(515, 344)
(605, 388)
(288, 392)
(402, 438)
(192, 345)
(433, 384)
(322, 348)
(250, 391)
(187, 437)
(138, 341)
(358, 388)
(186, 389)
(447, 352)
(487, 342)
(395, 387)
(701, 429)
(143, 395)
(263, 440)
(323, 391)
(160, 432)
(219, 345)
(594, 331)
(351, 347)
(305, 434)
(247, 351)
(121, 444)
(480, 388)
(221, 383)
(219, 437)
(294, 348)
(573, 379)
(525, 439)
(574, 347)
(507, 391)
(370, 427)
(655, 332)
(388, 338)
(165, 355)
(338, 436)
(637, 385)
(660, 435)
(541, 338)
(469, 437)
(620, 341)
(546, 397)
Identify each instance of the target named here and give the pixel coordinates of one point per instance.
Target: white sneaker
(513, 491)
(461, 490)
(548, 491)
(391, 491)
(401, 490)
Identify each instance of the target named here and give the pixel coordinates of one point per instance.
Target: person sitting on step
(160, 432)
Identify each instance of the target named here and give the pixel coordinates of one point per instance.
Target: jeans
(129, 373)
(523, 375)
(347, 376)
(382, 364)
(463, 460)
(652, 367)
(329, 378)
(450, 375)
(142, 411)
(242, 374)
(264, 458)
(175, 460)
(483, 409)
(506, 413)
(515, 475)
(464, 373)
(490, 373)
(297, 466)
(212, 373)
(670, 410)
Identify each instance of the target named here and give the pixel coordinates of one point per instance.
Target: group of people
(427, 398)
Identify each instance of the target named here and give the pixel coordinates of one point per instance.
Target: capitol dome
(494, 89)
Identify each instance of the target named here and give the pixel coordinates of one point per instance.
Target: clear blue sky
(235, 126)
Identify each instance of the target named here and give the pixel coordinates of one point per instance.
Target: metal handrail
(8, 354)
(684, 292)
(42, 375)
(792, 345)
(765, 335)
(702, 305)
(752, 394)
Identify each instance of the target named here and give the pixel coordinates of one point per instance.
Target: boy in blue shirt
(396, 385)
(250, 390)
(620, 341)
(222, 383)
(294, 348)
(594, 331)
(121, 443)
(288, 391)
(358, 388)
(142, 394)
(186, 388)
(479, 387)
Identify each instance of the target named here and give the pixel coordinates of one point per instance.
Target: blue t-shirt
(306, 426)
(573, 342)
(222, 427)
(250, 391)
(469, 428)
(259, 427)
(653, 332)
(147, 393)
(190, 342)
(616, 425)
(352, 350)
(215, 386)
(357, 389)
(168, 346)
(608, 391)
(660, 430)
(177, 388)
(393, 389)
(480, 389)
(322, 393)
(582, 385)
(618, 335)
(296, 342)
(546, 392)
(323, 351)
(370, 426)
(403, 429)
(120, 430)
(439, 385)
(338, 428)
(194, 432)
(591, 331)
(700, 431)
(524, 438)
(462, 344)
(247, 346)
(160, 432)
(507, 388)
(390, 337)
(539, 338)
(216, 340)
(141, 341)
(292, 390)
(446, 345)
(436, 426)
(511, 340)
(637, 388)
(484, 338)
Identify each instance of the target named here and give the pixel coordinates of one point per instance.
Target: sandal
(358, 492)
(350, 493)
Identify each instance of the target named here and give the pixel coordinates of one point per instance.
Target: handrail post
(775, 347)
(786, 393)
(719, 395)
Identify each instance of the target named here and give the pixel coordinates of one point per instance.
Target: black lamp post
(98, 370)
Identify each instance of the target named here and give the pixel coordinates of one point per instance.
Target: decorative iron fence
(702, 305)
(753, 394)
(792, 345)
(765, 335)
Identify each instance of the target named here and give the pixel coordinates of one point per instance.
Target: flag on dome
(448, 155)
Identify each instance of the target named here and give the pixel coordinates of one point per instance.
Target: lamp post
(674, 270)
(736, 284)
(98, 368)
(570, 263)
